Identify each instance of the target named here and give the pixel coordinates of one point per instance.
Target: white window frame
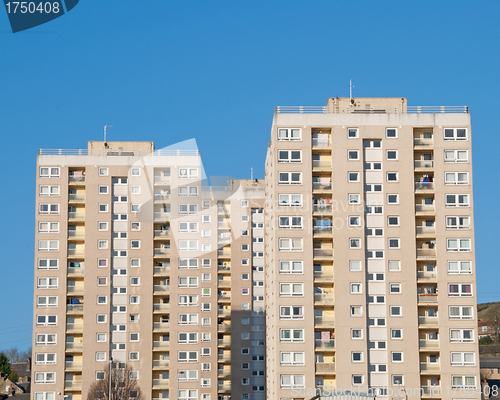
(456, 178)
(459, 312)
(452, 134)
(291, 267)
(289, 134)
(453, 156)
(287, 178)
(461, 222)
(460, 269)
(457, 202)
(289, 154)
(291, 289)
(461, 245)
(460, 290)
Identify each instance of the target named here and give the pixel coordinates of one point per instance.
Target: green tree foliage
(4, 365)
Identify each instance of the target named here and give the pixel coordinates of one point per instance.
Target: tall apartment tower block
(369, 247)
(349, 268)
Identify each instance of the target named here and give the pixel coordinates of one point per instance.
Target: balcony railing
(223, 282)
(433, 367)
(433, 391)
(224, 254)
(162, 179)
(161, 363)
(426, 230)
(322, 186)
(76, 197)
(224, 312)
(426, 275)
(424, 164)
(161, 383)
(328, 253)
(324, 344)
(76, 216)
(427, 320)
(322, 208)
(161, 252)
(323, 297)
(426, 253)
(425, 208)
(330, 109)
(76, 252)
(323, 275)
(223, 237)
(161, 270)
(161, 345)
(162, 197)
(161, 307)
(161, 288)
(324, 320)
(72, 384)
(322, 163)
(428, 344)
(224, 342)
(322, 230)
(74, 345)
(325, 367)
(224, 357)
(318, 142)
(224, 387)
(161, 325)
(162, 216)
(162, 233)
(223, 372)
(76, 179)
(429, 142)
(76, 271)
(76, 234)
(428, 298)
(75, 289)
(224, 268)
(74, 308)
(422, 186)
(73, 364)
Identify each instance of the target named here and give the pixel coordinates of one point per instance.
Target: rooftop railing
(372, 110)
(110, 152)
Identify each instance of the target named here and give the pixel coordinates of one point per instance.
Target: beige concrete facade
(137, 261)
(385, 300)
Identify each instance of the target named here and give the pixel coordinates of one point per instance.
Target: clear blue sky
(168, 71)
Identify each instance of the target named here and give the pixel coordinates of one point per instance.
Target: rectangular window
(49, 190)
(45, 358)
(49, 172)
(290, 244)
(456, 156)
(394, 243)
(395, 311)
(46, 301)
(392, 177)
(460, 289)
(352, 133)
(291, 312)
(188, 282)
(49, 209)
(291, 289)
(291, 267)
(463, 382)
(46, 320)
(457, 200)
(458, 245)
(290, 178)
(391, 133)
(187, 356)
(188, 173)
(459, 267)
(356, 311)
(352, 155)
(289, 156)
(46, 339)
(455, 134)
(461, 335)
(290, 200)
(457, 222)
(292, 381)
(290, 222)
(291, 335)
(353, 176)
(460, 312)
(45, 377)
(47, 283)
(355, 265)
(391, 155)
(188, 245)
(292, 358)
(456, 178)
(289, 134)
(463, 359)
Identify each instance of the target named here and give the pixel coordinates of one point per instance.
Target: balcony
(161, 289)
(324, 320)
(224, 237)
(224, 373)
(72, 271)
(322, 231)
(323, 276)
(76, 198)
(163, 345)
(162, 216)
(160, 252)
(162, 234)
(73, 365)
(225, 282)
(321, 142)
(72, 385)
(225, 387)
(161, 179)
(424, 164)
(429, 367)
(76, 216)
(161, 307)
(76, 180)
(223, 210)
(224, 268)
(224, 327)
(425, 208)
(161, 363)
(318, 186)
(323, 297)
(325, 367)
(224, 357)
(430, 391)
(322, 208)
(224, 225)
(73, 345)
(424, 186)
(426, 253)
(428, 344)
(322, 164)
(74, 308)
(161, 383)
(423, 142)
(224, 342)
(75, 289)
(323, 253)
(74, 327)
(428, 298)
(76, 252)
(161, 270)
(324, 344)
(424, 275)
(224, 254)
(427, 321)
(161, 326)
(225, 312)
(426, 230)
(161, 198)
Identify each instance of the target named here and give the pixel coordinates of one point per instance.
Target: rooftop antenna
(105, 127)
(350, 90)
(251, 173)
